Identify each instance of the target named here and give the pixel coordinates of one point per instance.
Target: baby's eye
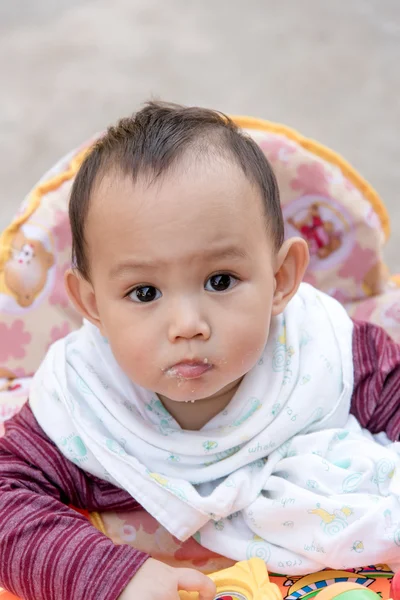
(220, 282)
(145, 293)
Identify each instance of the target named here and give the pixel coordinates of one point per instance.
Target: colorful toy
(247, 580)
(347, 591)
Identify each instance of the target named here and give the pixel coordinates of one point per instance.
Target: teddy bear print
(321, 236)
(25, 272)
(7, 381)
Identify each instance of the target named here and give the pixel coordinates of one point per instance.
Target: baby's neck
(194, 415)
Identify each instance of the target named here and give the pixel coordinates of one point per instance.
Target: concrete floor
(328, 68)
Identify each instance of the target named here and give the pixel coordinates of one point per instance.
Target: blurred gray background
(329, 68)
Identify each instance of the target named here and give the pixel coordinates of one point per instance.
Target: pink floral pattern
(58, 294)
(62, 231)
(277, 148)
(13, 340)
(57, 333)
(20, 372)
(393, 312)
(312, 178)
(365, 310)
(339, 295)
(382, 310)
(358, 264)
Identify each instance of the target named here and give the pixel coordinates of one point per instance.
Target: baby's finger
(194, 581)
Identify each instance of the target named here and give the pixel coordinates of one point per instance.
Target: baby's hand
(157, 581)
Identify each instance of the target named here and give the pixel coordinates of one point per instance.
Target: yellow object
(247, 580)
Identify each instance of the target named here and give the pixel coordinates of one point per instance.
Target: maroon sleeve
(47, 550)
(376, 396)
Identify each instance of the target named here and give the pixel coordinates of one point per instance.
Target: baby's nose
(189, 324)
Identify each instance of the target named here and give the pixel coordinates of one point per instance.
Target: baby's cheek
(132, 355)
(247, 341)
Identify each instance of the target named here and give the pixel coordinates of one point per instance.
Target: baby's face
(183, 275)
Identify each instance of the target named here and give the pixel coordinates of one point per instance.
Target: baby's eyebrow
(227, 252)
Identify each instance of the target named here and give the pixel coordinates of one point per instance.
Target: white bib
(283, 472)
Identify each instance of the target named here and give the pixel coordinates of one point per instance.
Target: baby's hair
(150, 142)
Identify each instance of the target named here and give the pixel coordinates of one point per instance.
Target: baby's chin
(189, 391)
(188, 395)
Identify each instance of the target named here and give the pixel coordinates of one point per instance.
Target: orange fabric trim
(97, 521)
(326, 154)
(35, 198)
(396, 279)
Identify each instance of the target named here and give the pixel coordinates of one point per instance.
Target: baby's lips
(189, 369)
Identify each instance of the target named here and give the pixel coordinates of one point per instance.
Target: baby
(207, 384)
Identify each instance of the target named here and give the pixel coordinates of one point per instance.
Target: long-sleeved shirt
(49, 551)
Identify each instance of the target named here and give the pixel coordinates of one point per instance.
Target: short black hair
(150, 142)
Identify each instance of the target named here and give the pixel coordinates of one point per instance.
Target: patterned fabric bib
(282, 473)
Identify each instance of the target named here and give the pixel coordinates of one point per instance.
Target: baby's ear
(80, 292)
(291, 264)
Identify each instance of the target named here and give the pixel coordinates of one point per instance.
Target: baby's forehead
(190, 180)
(196, 202)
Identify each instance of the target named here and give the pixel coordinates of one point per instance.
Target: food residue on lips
(172, 372)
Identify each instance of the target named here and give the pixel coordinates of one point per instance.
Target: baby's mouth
(189, 369)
